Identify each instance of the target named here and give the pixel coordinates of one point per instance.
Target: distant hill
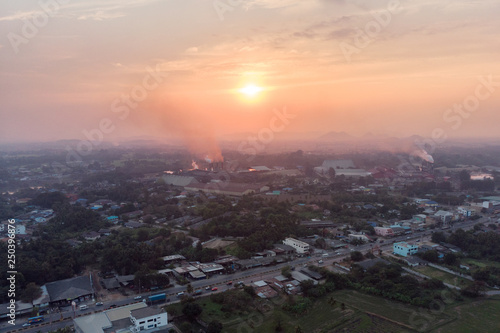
(336, 136)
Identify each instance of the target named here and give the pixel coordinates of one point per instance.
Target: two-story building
(148, 318)
(384, 232)
(405, 249)
(299, 246)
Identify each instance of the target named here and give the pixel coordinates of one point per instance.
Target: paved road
(248, 276)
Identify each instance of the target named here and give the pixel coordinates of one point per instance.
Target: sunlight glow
(250, 90)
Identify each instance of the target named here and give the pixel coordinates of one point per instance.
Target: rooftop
(70, 288)
(145, 312)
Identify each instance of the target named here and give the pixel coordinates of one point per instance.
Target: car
(207, 288)
(180, 294)
(230, 283)
(99, 303)
(26, 324)
(138, 297)
(214, 288)
(112, 306)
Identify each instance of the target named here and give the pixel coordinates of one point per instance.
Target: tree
(192, 310)
(214, 327)
(450, 259)
(287, 272)
(356, 256)
(331, 173)
(249, 290)
(431, 256)
(438, 237)
(278, 322)
(464, 176)
(31, 293)
(189, 288)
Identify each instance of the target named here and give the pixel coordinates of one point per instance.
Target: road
(220, 281)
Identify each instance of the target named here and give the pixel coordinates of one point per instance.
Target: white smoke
(424, 155)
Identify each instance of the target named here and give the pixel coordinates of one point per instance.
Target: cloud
(19, 16)
(192, 50)
(101, 16)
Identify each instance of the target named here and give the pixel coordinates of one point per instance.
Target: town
(132, 240)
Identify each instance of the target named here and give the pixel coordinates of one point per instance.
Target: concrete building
(419, 218)
(299, 246)
(444, 216)
(384, 232)
(121, 319)
(148, 318)
(466, 211)
(404, 249)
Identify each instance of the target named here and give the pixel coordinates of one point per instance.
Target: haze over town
(249, 166)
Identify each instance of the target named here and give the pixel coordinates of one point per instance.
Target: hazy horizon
(69, 68)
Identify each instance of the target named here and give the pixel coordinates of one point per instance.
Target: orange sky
(422, 58)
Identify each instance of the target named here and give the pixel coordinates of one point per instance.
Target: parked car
(138, 297)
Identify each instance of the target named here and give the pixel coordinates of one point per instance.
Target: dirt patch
(217, 244)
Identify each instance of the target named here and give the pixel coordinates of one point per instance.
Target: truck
(157, 298)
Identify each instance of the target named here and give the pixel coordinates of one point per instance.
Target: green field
(323, 317)
(480, 263)
(443, 276)
(363, 314)
(481, 316)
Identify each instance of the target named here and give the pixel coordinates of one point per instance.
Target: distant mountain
(336, 136)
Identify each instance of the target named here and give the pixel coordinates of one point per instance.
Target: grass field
(443, 276)
(363, 314)
(480, 263)
(481, 316)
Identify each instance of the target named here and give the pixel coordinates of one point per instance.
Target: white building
(148, 318)
(299, 246)
(467, 212)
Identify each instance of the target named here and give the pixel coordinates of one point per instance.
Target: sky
(116, 69)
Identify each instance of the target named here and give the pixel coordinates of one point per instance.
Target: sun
(251, 90)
